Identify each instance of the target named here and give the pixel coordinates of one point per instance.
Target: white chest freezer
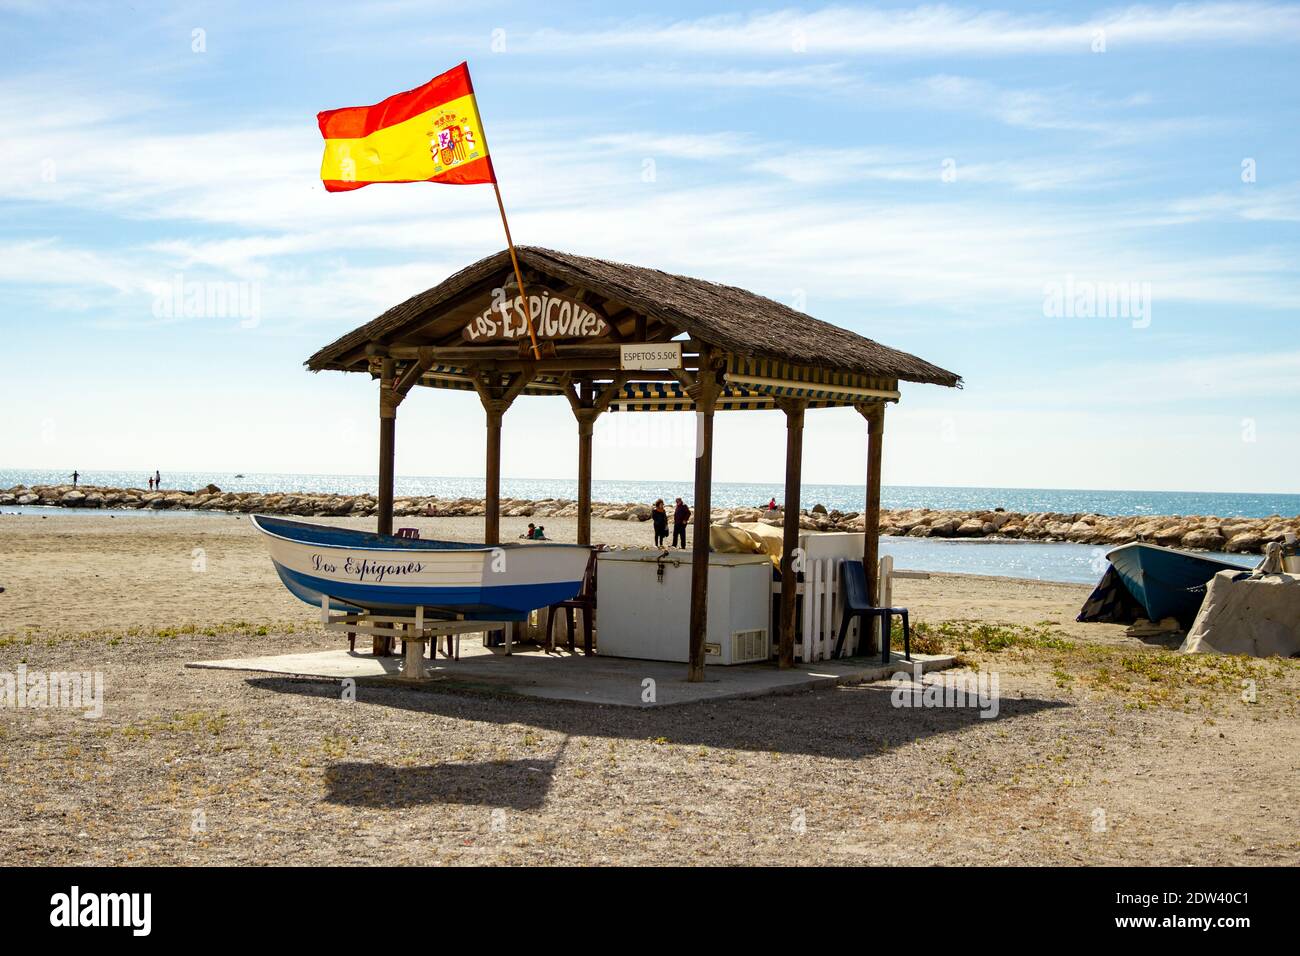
(644, 606)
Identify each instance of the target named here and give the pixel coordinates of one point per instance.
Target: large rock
(1208, 539)
(1171, 536)
(1247, 542)
(944, 527)
(72, 499)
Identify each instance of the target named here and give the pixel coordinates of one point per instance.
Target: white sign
(652, 355)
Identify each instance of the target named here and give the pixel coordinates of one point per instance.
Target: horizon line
(375, 476)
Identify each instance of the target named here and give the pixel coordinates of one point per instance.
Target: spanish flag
(431, 134)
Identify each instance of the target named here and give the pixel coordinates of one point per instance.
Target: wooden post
(586, 426)
(705, 395)
(875, 416)
(497, 397)
(492, 500)
(794, 416)
(587, 407)
(388, 402)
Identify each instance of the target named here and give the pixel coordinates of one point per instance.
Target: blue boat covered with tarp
(1151, 582)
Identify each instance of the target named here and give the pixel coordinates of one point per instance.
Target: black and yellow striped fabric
(818, 387)
(816, 384)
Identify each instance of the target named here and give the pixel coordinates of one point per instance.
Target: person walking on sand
(681, 515)
(659, 516)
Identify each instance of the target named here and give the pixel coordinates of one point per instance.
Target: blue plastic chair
(854, 605)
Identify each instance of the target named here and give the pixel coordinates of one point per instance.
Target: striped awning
(671, 397)
(817, 385)
(749, 384)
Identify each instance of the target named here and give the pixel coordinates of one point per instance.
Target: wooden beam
(423, 362)
(516, 386)
(454, 354)
(794, 418)
(609, 392)
(705, 393)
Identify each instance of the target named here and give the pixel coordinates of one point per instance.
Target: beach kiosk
(614, 337)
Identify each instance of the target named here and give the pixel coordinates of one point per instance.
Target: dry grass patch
(1145, 676)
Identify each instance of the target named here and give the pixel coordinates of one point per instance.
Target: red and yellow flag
(429, 134)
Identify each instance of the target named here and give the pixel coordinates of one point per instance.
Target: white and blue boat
(363, 571)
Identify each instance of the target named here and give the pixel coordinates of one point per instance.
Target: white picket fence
(820, 609)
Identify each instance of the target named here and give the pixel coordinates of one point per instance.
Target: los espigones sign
(554, 315)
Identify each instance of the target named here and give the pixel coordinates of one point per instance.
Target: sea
(1048, 561)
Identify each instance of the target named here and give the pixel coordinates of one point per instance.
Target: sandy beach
(82, 572)
(1106, 750)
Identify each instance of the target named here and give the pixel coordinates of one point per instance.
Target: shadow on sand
(517, 784)
(847, 723)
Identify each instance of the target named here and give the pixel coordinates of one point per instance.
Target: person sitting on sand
(532, 530)
(539, 534)
(659, 516)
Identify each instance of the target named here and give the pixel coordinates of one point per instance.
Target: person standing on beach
(151, 482)
(681, 515)
(659, 516)
(75, 475)
(157, 480)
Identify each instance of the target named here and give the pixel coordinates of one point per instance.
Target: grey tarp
(1246, 614)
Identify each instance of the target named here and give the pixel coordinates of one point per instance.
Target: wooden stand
(413, 631)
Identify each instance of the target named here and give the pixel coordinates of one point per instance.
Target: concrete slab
(594, 680)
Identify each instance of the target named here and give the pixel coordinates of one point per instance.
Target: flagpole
(519, 278)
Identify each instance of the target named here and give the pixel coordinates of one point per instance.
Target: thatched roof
(730, 319)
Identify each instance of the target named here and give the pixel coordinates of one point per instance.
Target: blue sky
(924, 175)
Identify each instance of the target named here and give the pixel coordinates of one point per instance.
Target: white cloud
(929, 31)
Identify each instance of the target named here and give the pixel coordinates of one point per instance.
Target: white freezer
(644, 606)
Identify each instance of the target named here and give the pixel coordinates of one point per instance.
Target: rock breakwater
(1198, 532)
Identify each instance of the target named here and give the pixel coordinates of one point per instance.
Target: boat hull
(1167, 583)
(361, 571)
